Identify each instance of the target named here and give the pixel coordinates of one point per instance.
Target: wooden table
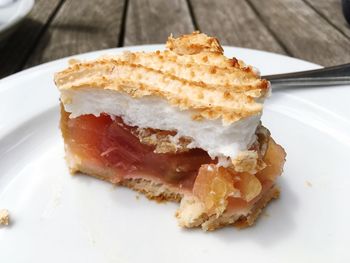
(313, 30)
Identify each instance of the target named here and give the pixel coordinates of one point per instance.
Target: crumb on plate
(308, 184)
(265, 214)
(4, 217)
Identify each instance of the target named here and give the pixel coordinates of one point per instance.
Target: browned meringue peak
(201, 79)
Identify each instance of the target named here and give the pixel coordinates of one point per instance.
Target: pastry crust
(191, 213)
(204, 80)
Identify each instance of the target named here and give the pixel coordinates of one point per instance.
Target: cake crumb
(308, 184)
(265, 214)
(137, 197)
(4, 217)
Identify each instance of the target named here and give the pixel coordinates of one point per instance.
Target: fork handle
(336, 75)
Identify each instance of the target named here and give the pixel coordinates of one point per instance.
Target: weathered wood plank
(332, 11)
(16, 49)
(80, 26)
(151, 21)
(234, 23)
(303, 32)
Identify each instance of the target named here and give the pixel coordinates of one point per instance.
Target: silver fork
(330, 76)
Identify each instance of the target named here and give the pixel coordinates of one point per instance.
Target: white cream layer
(153, 112)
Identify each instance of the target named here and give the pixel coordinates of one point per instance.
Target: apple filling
(109, 144)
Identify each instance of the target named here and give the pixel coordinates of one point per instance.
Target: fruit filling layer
(108, 143)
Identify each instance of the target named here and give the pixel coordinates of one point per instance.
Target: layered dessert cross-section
(181, 124)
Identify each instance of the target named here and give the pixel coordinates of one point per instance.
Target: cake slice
(181, 124)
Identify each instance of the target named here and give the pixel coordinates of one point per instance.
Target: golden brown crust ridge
(204, 81)
(193, 44)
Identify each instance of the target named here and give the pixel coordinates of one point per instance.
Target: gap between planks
(338, 22)
(123, 24)
(41, 33)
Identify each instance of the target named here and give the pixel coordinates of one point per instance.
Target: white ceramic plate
(12, 12)
(56, 216)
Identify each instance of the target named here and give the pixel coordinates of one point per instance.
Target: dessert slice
(181, 124)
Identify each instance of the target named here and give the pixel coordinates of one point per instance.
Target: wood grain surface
(151, 21)
(331, 10)
(15, 51)
(80, 26)
(303, 32)
(234, 23)
(313, 30)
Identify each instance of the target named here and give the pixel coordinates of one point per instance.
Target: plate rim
(25, 7)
